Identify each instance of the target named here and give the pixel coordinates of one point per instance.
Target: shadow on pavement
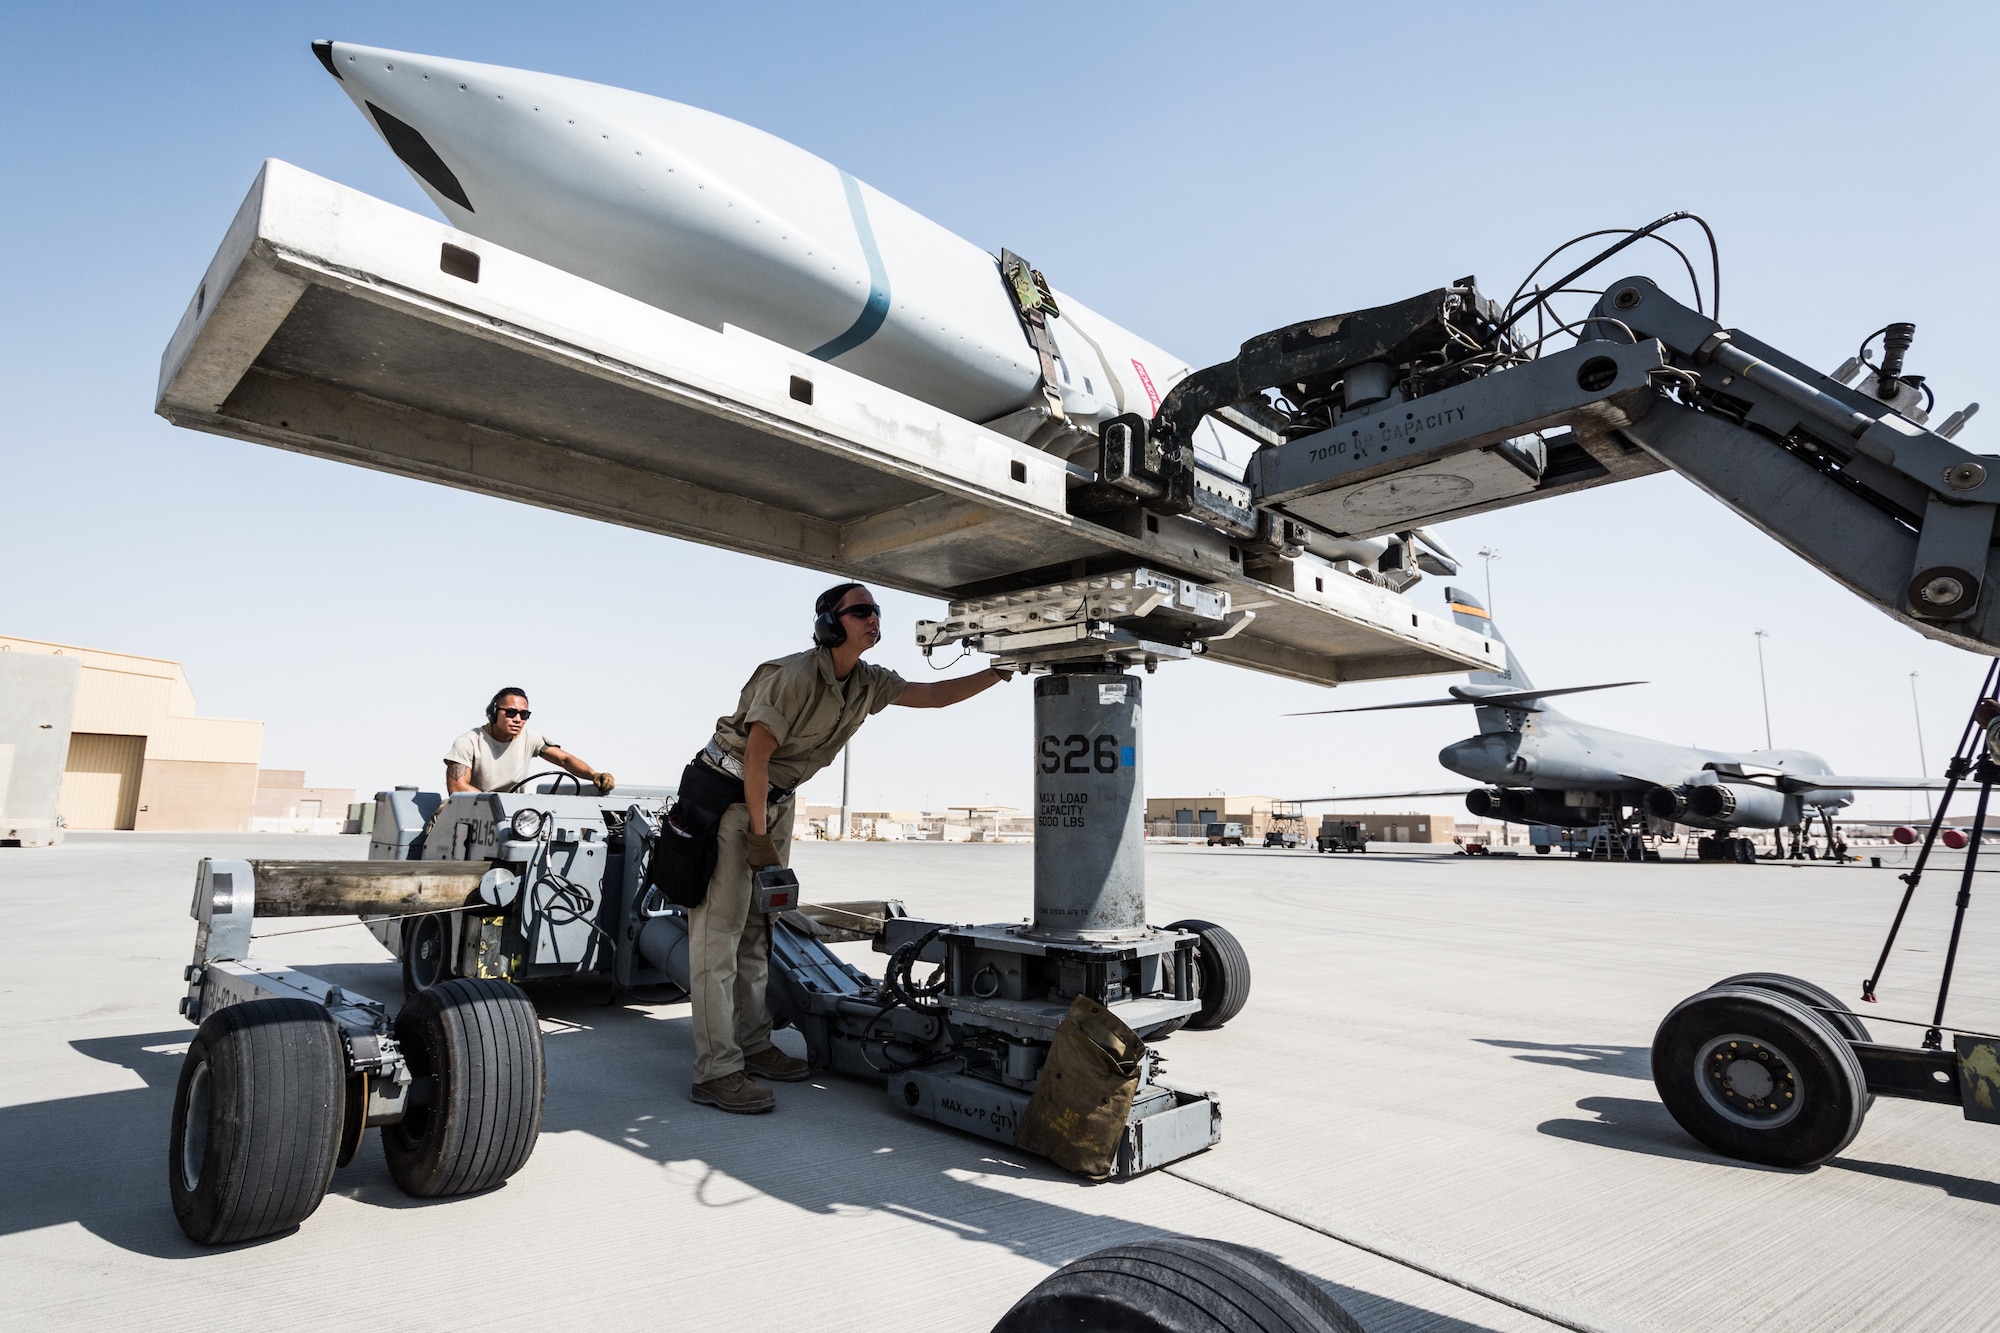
(618, 1073)
(1958, 1187)
(1646, 1127)
(100, 1160)
(1622, 1061)
(1636, 1126)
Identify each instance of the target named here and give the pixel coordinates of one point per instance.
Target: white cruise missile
(724, 224)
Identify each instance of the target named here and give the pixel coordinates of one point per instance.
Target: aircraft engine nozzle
(1740, 806)
(1903, 835)
(1527, 805)
(1484, 802)
(1667, 802)
(1954, 838)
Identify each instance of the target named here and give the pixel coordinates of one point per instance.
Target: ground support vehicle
(480, 893)
(1288, 825)
(1775, 1070)
(1224, 835)
(1340, 835)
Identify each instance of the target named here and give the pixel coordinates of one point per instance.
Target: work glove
(604, 784)
(763, 852)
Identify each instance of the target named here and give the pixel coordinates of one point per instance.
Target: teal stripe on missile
(876, 312)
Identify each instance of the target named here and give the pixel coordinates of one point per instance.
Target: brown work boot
(773, 1063)
(739, 1094)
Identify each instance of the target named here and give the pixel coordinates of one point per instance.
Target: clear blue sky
(1199, 173)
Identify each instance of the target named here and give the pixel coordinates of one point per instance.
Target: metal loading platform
(333, 324)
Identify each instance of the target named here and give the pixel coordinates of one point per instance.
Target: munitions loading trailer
(334, 324)
(1373, 422)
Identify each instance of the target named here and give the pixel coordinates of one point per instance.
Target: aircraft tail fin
(1471, 614)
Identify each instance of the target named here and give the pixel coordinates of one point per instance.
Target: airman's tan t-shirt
(495, 764)
(811, 713)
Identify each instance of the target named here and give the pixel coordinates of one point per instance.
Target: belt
(724, 762)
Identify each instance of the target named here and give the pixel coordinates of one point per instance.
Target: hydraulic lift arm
(1434, 408)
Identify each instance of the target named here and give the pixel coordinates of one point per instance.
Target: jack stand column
(1002, 991)
(1090, 806)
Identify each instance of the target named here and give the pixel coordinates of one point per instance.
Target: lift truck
(482, 893)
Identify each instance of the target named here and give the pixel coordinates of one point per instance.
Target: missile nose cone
(324, 50)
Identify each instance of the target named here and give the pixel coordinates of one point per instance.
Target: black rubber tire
(1166, 1029)
(1225, 973)
(425, 951)
(1812, 1061)
(1182, 1284)
(1811, 996)
(261, 1089)
(481, 1047)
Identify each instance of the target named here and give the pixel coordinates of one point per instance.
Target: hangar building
(138, 757)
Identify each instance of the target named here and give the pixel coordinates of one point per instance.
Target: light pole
(1764, 686)
(1489, 554)
(1923, 764)
(846, 775)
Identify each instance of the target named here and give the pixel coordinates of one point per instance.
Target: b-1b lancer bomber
(1546, 769)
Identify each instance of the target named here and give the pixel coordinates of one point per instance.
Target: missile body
(721, 223)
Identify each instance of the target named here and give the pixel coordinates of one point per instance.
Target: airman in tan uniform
(792, 719)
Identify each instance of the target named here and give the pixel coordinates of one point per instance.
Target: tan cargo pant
(729, 950)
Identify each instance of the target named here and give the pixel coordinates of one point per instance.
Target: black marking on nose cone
(420, 157)
(324, 50)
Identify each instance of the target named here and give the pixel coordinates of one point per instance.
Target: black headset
(828, 629)
(493, 708)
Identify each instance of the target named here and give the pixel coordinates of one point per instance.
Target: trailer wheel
(1756, 1075)
(426, 951)
(1812, 997)
(1225, 973)
(256, 1120)
(1166, 1029)
(1180, 1285)
(477, 1049)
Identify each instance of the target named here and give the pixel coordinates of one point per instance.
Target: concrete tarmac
(1437, 1103)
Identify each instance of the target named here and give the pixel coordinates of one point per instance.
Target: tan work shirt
(496, 764)
(811, 713)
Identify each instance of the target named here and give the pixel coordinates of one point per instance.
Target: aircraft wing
(1463, 695)
(1806, 782)
(1377, 796)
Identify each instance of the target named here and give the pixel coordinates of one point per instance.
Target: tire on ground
(480, 1047)
(1756, 1075)
(1225, 973)
(256, 1121)
(1178, 1285)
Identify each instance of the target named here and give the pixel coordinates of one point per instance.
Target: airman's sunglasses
(862, 611)
(521, 713)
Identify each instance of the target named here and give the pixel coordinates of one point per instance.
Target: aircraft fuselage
(1548, 752)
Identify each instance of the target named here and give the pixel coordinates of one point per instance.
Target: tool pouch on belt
(684, 854)
(1076, 1115)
